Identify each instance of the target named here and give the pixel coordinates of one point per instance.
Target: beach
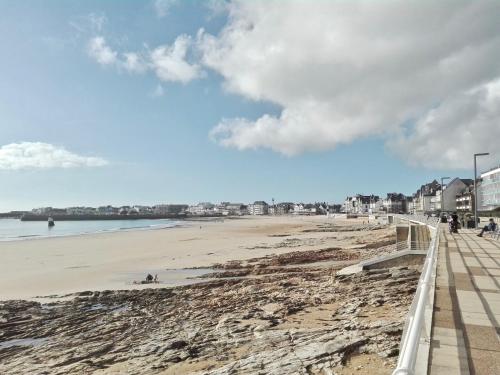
(267, 299)
(57, 266)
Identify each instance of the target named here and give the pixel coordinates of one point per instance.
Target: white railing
(415, 341)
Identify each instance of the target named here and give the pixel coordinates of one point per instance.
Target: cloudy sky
(167, 101)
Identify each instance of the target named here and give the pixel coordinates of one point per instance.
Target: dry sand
(56, 266)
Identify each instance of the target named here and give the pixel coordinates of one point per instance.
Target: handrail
(412, 332)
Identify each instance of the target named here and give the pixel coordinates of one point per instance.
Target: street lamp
(442, 192)
(475, 185)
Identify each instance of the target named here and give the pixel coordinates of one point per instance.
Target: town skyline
(160, 100)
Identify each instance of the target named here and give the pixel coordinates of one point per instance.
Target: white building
(395, 203)
(258, 208)
(143, 209)
(202, 208)
(376, 206)
(81, 211)
(361, 204)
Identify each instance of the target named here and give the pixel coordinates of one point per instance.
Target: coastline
(175, 224)
(274, 303)
(113, 260)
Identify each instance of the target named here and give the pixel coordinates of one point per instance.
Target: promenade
(466, 322)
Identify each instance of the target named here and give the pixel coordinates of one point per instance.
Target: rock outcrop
(277, 324)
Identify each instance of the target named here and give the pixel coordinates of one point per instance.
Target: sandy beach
(273, 301)
(57, 266)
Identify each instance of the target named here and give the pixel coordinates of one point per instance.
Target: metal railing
(415, 341)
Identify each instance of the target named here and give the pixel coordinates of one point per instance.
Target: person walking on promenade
(491, 227)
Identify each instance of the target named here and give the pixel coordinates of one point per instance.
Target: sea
(15, 229)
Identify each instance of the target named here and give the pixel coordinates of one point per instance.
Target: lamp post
(475, 185)
(442, 192)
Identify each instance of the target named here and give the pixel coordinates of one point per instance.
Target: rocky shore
(282, 314)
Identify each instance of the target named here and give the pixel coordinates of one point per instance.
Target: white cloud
(341, 71)
(37, 155)
(133, 62)
(101, 52)
(170, 61)
(450, 134)
(217, 7)
(162, 7)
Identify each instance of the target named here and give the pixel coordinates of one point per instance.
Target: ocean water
(15, 229)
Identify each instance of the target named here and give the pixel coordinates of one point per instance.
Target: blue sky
(154, 133)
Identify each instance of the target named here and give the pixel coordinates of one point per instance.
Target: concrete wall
(402, 233)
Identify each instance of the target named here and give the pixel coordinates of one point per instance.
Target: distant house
(107, 210)
(124, 210)
(298, 208)
(202, 208)
(169, 209)
(422, 199)
(360, 204)
(143, 210)
(258, 208)
(81, 211)
(395, 203)
(283, 208)
(410, 205)
(376, 205)
(230, 209)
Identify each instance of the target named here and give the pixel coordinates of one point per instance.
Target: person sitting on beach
(491, 227)
(149, 278)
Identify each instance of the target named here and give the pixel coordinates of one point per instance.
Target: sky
(169, 101)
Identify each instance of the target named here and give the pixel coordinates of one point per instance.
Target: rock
(285, 320)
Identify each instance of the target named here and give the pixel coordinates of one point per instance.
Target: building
(395, 203)
(169, 209)
(124, 210)
(143, 210)
(376, 205)
(283, 208)
(360, 204)
(107, 210)
(258, 208)
(448, 201)
(424, 198)
(202, 208)
(81, 211)
(489, 190)
(230, 209)
(465, 200)
(410, 205)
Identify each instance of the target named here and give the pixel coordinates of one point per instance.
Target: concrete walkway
(466, 324)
